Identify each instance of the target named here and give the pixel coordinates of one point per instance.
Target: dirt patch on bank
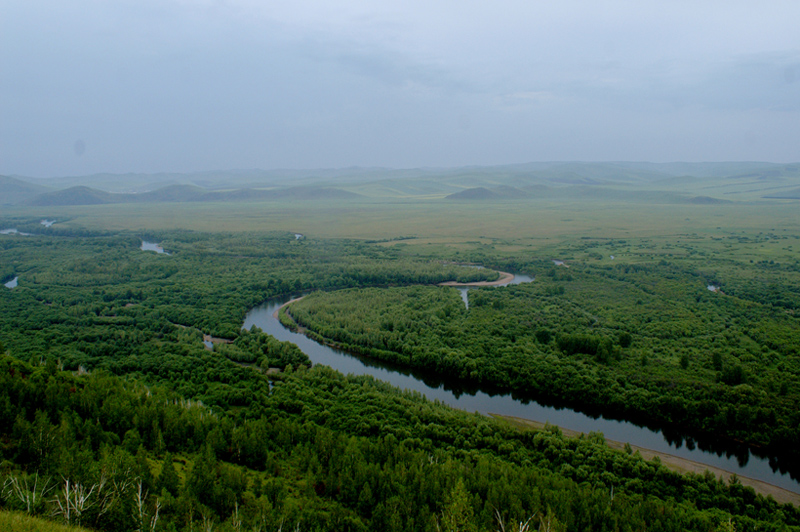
(504, 278)
(275, 314)
(675, 463)
(215, 340)
(206, 337)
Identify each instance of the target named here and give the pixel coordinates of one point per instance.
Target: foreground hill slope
(20, 522)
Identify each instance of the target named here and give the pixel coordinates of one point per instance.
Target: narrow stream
(450, 392)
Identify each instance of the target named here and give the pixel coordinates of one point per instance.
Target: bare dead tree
(549, 523)
(146, 519)
(29, 496)
(73, 501)
(516, 526)
(261, 525)
(236, 520)
(208, 522)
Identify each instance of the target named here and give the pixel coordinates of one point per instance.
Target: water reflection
(485, 400)
(13, 231)
(151, 246)
(518, 279)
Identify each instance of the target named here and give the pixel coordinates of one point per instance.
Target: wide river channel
(742, 463)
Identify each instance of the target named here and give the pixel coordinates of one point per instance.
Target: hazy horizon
(349, 170)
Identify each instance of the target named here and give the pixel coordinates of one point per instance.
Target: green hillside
(15, 191)
(81, 195)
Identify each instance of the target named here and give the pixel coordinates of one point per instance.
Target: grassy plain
(516, 222)
(476, 231)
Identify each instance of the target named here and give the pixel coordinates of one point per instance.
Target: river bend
(448, 392)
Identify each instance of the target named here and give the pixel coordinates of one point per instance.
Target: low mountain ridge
(617, 181)
(787, 194)
(81, 195)
(15, 191)
(483, 193)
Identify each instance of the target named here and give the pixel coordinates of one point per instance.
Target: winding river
(434, 387)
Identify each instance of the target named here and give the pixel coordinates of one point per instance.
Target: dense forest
(646, 342)
(326, 452)
(115, 416)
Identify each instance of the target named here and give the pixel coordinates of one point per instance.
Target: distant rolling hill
(580, 192)
(72, 196)
(477, 193)
(81, 195)
(698, 183)
(171, 193)
(309, 193)
(483, 193)
(706, 200)
(15, 191)
(777, 172)
(786, 194)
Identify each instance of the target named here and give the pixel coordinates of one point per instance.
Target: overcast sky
(92, 86)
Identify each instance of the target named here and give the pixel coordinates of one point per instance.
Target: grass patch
(20, 522)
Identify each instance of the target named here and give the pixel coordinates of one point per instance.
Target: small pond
(12, 283)
(152, 246)
(13, 231)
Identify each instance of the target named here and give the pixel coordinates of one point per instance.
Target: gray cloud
(193, 85)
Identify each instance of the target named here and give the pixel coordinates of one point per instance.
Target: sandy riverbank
(275, 314)
(504, 278)
(675, 463)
